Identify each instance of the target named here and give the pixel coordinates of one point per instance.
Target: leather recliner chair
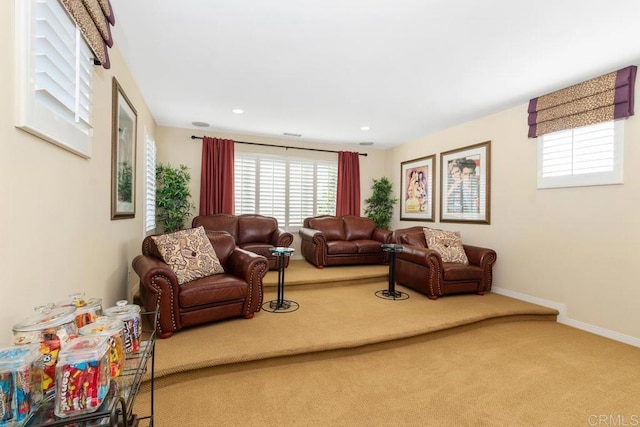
(423, 270)
(235, 293)
(254, 233)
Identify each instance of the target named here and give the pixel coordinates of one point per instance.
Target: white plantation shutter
(289, 189)
(589, 155)
(150, 184)
(245, 184)
(272, 179)
(55, 76)
(326, 180)
(301, 195)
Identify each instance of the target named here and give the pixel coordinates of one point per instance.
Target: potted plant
(380, 204)
(172, 196)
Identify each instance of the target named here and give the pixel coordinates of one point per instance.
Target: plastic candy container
(20, 383)
(113, 329)
(52, 328)
(82, 376)
(86, 310)
(130, 316)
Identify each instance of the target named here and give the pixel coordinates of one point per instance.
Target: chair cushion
(189, 254)
(341, 247)
(212, 289)
(455, 271)
(368, 246)
(447, 243)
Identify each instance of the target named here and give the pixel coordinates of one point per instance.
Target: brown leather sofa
(423, 270)
(343, 240)
(254, 233)
(236, 292)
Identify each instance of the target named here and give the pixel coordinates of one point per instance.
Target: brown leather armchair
(342, 240)
(236, 292)
(422, 269)
(254, 233)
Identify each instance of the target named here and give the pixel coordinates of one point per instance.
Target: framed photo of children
(417, 177)
(465, 184)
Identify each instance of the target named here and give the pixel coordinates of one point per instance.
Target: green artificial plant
(380, 204)
(125, 175)
(173, 204)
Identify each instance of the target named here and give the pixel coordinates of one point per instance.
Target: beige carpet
(348, 358)
(506, 374)
(328, 319)
(303, 274)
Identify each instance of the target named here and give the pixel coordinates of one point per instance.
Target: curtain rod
(281, 146)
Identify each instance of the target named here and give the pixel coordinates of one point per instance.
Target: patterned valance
(602, 99)
(94, 18)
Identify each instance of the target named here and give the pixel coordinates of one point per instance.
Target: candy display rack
(117, 409)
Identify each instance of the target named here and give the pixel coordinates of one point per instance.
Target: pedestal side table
(280, 305)
(390, 292)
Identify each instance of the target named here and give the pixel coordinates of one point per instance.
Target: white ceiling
(324, 68)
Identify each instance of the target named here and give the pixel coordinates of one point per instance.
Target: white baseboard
(564, 319)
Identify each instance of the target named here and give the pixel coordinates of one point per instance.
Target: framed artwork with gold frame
(465, 184)
(417, 186)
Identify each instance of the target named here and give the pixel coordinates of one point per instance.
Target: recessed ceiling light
(200, 124)
(364, 128)
(237, 111)
(366, 143)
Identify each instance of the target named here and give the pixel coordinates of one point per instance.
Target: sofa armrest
(313, 246)
(312, 235)
(252, 268)
(281, 238)
(422, 256)
(482, 257)
(421, 269)
(382, 235)
(159, 288)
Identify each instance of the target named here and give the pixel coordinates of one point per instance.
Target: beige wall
(57, 235)
(176, 147)
(574, 248)
(569, 246)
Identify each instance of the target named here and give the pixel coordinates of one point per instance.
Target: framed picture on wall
(417, 178)
(124, 127)
(465, 184)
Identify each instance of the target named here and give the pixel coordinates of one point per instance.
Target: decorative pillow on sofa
(447, 243)
(189, 254)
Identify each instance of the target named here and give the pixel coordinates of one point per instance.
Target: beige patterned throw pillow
(447, 243)
(189, 254)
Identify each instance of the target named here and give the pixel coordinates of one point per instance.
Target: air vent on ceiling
(297, 135)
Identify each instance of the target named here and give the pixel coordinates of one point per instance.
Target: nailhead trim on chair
(490, 260)
(158, 298)
(250, 296)
(435, 277)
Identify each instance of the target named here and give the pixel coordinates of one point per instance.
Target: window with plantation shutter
(54, 78)
(150, 184)
(289, 189)
(583, 156)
